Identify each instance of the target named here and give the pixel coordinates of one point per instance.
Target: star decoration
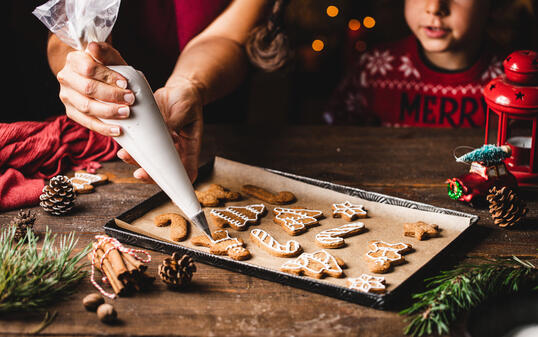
(491, 87)
(348, 211)
(367, 283)
(519, 96)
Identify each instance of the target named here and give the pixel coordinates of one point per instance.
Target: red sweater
(393, 86)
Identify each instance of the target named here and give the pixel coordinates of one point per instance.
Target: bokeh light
(360, 46)
(368, 22)
(332, 11)
(354, 24)
(318, 45)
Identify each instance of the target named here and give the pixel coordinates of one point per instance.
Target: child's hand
(85, 83)
(180, 102)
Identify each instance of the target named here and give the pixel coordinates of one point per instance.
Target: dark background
(294, 95)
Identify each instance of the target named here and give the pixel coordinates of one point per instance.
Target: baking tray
(401, 210)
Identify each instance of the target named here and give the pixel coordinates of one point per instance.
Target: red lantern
(512, 114)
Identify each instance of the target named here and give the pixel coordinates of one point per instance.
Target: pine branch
(462, 288)
(32, 278)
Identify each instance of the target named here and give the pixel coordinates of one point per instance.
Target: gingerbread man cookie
(296, 221)
(348, 211)
(178, 225)
(214, 194)
(280, 198)
(382, 255)
(238, 217)
(367, 283)
(84, 182)
(421, 230)
(223, 244)
(315, 265)
(333, 238)
(265, 241)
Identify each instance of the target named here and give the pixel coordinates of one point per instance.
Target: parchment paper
(384, 222)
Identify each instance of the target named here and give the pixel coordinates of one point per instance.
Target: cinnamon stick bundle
(124, 272)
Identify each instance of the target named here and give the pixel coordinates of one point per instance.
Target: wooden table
(407, 163)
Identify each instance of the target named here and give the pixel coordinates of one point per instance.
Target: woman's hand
(86, 83)
(180, 102)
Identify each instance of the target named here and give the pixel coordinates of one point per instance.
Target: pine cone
(58, 196)
(23, 222)
(177, 271)
(505, 206)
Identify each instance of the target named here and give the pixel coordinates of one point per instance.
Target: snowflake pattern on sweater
(393, 86)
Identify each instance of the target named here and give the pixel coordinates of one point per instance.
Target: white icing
(396, 248)
(366, 282)
(269, 242)
(327, 262)
(349, 209)
(289, 218)
(234, 243)
(244, 219)
(87, 179)
(334, 236)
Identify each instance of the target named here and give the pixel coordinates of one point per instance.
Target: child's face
(447, 25)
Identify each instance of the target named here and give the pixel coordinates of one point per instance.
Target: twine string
(460, 148)
(103, 239)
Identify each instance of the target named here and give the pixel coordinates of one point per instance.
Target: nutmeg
(107, 313)
(92, 301)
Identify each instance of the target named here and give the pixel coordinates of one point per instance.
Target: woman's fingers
(92, 86)
(74, 100)
(142, 175)
(93, 123)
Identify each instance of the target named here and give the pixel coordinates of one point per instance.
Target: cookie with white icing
(383, 255)
(84, 182)
(223, 244)
(317, 265)
(265, 241)
(296, 221)
(238, 217)
(367, 283)
(348, 211)
(334, 237)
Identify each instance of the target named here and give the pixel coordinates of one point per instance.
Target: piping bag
(144, 134)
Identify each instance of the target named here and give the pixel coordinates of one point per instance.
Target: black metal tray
(378, 301)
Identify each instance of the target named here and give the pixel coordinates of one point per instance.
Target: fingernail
(121, 83)
(137, 174)
(115, 131)
(123, 111)
(129, 98)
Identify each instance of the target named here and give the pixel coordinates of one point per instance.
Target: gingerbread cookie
(84, 182)
(315, 265)
(382, 255)
(333, 238)
(348, 211)
(238, 217)
(223, 244)
(178, 225)
(421, 230)
(214, 194)
(280, 198)
(296, 221)
(367, 283)
(265, 241)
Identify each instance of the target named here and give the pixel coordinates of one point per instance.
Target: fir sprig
(31, 278)
(460, 289)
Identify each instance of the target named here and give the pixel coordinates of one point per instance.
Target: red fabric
(193, 16)
(33, 151)
(392, 85)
